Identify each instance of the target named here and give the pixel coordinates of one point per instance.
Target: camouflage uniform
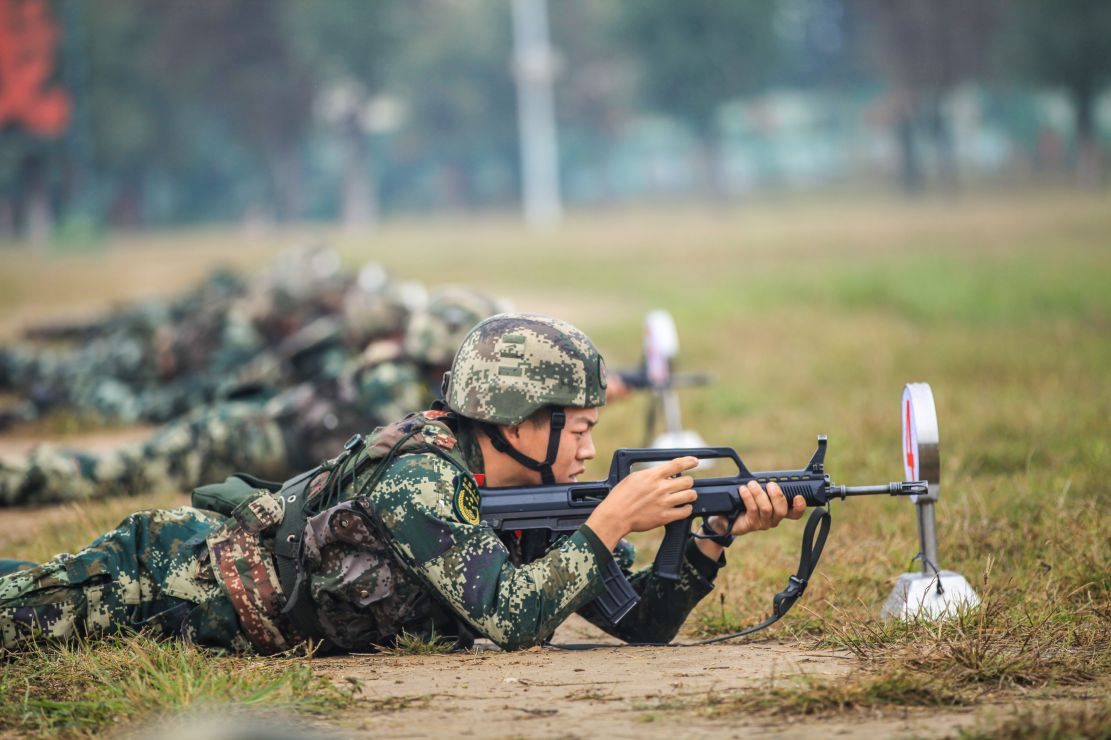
(164, 360)
(125, 367)
(272, 438)
(383, 538)
(400, 550)
(149, 573)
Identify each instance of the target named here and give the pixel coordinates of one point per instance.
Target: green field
(812, 314)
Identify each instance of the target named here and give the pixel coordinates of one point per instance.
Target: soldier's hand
(765, 509)
(645, 500)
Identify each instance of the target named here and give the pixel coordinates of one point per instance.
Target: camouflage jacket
(318, 417)
(427, 563)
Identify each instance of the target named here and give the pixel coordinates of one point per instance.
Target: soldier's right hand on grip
(645, 500)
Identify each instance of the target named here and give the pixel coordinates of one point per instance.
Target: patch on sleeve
(465, 501)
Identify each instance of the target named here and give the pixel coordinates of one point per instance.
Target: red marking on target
(908, 444)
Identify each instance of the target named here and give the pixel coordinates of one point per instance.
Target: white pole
(534, 66)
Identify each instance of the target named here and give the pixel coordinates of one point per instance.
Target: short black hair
(540, 418)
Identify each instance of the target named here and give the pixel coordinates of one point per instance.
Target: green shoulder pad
(222, 498)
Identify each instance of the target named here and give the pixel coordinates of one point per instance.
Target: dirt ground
(612, 692)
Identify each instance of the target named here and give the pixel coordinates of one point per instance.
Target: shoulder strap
(287, 555)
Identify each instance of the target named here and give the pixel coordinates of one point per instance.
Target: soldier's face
(576, 445)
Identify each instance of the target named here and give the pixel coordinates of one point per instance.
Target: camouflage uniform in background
(273, 438)
(165, 362)
(125, 361)
(270, 436)
(383, 538)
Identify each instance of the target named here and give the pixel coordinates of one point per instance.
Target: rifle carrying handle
(625, 458)
(670, 555)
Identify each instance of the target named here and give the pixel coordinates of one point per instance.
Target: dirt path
(611, 692)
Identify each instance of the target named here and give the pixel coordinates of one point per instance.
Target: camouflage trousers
(151, 573)
(7, 567)
(207, 445)
(108, 386)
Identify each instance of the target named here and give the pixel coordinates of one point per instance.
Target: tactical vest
(264, 553)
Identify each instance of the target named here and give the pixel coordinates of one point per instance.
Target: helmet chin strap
(501, 444)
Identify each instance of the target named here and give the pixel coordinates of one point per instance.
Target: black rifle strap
(813, 542)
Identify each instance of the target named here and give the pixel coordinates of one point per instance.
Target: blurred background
(831, 197)
(130, 114)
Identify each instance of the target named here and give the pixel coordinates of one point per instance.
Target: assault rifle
(563, 508)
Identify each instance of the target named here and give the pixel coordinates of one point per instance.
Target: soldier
(387, 536)
(273, 435)
(161, 359)
(119, 356)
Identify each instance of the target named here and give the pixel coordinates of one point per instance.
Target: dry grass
(812, 314)
(1076, 721)
(413, 644)
(74, 690)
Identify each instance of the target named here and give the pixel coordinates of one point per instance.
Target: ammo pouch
(223, 498)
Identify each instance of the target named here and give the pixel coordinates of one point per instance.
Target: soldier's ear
(511, 431)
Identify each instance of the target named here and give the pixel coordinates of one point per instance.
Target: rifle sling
(813, 542)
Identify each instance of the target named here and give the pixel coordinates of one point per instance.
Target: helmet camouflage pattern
(435, 333)
(375, 306)
(511, 365)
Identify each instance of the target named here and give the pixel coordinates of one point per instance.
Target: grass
(810, 696)
(1091, 719)
(71, 689)
(812, 314)
(414, 644)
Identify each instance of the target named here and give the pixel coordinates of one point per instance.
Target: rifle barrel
(905, 488)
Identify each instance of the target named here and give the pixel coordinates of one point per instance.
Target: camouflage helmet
(374, 306)
(512, 365)
(435, 333)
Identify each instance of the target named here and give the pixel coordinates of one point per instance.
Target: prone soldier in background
(156, 361)
(386, 537)
(271, 432)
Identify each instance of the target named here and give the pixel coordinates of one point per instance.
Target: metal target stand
(933, 593)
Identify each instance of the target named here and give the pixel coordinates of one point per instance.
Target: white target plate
(921, 460)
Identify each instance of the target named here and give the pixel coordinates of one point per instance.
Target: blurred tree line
(281, 110)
